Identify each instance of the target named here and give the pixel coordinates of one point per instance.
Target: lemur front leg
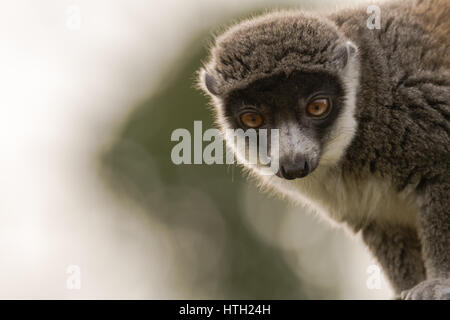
(398, 251)
(434, 231)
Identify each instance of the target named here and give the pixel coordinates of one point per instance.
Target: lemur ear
(343, 53)
(209, 82)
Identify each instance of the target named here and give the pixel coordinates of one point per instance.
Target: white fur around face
(347, 199)
(345, 126)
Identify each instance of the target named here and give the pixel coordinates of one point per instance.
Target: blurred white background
(65, 89)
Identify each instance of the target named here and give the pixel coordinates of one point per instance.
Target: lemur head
(289, 71)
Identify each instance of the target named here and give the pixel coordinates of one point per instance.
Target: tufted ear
(343, 53)
(208, 82)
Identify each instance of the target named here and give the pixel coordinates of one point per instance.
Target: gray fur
(399, 150)
(402, 258)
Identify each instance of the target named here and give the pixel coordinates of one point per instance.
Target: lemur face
(292, 72)
(303, 106)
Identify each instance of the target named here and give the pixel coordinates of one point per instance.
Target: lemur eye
(318, 107)
(252, 119)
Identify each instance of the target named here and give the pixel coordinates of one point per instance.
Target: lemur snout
(299, 167)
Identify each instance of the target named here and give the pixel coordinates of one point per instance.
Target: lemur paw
(433, 289)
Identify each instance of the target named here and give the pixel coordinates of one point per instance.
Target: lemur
(363, 116)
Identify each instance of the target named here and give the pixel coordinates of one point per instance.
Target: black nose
(294, 168)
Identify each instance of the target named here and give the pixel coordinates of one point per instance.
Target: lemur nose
(294, 168)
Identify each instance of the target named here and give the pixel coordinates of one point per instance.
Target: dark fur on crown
(280, 42)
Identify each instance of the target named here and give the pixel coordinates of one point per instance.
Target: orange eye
(318, 107)
(252, 119)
